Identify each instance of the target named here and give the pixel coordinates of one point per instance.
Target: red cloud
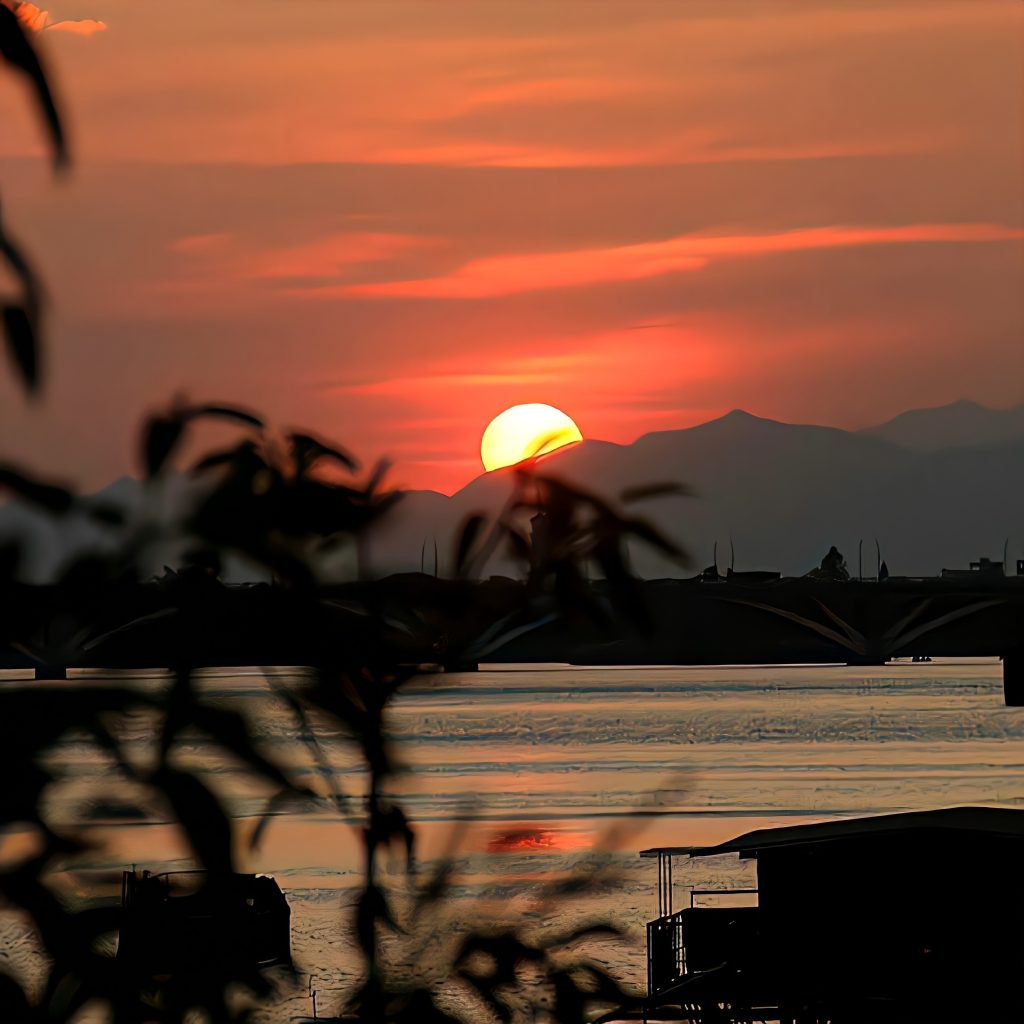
(525, 272)
(38, 20)
(86, 27)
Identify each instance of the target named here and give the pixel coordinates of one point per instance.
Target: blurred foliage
(281, 501)
(22, 314)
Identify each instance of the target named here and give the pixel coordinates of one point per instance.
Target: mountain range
(934, 487)
(937, 488)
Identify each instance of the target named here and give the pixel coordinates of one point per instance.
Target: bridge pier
(51, 672)
(461, 666)
(1013, 679)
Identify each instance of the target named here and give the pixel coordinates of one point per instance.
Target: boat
(907, 917)
(181, 921)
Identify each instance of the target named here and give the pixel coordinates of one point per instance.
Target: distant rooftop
(958, 822)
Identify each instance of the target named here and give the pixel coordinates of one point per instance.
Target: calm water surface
(525, 772)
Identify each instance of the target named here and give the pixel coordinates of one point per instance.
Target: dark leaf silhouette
(20, 319)
(656, 539)
(231, 731)
(389, 824)
(380, 470)
(266, 500)
(227, 412)
(274, 807)
(501, 951)
(467, 539)
(51, 497)
(159, 439)
(241, 453)
(163, 433)
(268, 503)
(17, 49)
(204, 820)
(662, 490)
(22, 345)
(307, 450)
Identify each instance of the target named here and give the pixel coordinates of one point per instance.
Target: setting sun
(524, 431)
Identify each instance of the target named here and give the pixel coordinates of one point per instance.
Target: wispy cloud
(332, 256)
(525, 272)
(440, 383)
(212, 260)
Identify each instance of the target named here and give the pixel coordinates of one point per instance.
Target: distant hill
(782, 493)
(934, 495)
(962, 424)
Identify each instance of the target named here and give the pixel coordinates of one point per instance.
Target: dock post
(1013, 679)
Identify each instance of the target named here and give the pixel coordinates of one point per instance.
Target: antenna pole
(878, 560)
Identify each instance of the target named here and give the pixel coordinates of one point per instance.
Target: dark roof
(991, 822)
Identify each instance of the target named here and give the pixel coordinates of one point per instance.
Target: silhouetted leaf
(372, 909)
(237, 455)
(48, 496)
(380, 470)
(307, 450)
(232, 731)
(17, 49)
(201, 815)
(22, 345)
(275, 806)
(467, 538)
(389, 824)
(656, 539)
(484, 990)
(662, 490)
(227, 412)
(159, 438)
(519, 546)
(502, 950)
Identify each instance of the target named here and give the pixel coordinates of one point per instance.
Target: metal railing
(666, 948)
(666, 957)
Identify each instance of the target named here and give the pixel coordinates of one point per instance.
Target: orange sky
(387, 221)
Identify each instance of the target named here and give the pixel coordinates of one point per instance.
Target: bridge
(459, 623)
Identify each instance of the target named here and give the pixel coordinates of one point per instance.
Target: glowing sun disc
(524, 431)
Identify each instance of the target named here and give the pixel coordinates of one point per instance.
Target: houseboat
(182, 921)
(894, 918)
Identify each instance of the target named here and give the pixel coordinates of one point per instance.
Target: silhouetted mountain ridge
(960, 424)
(781, 492)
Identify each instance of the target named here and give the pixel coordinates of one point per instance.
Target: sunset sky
(388, 220)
